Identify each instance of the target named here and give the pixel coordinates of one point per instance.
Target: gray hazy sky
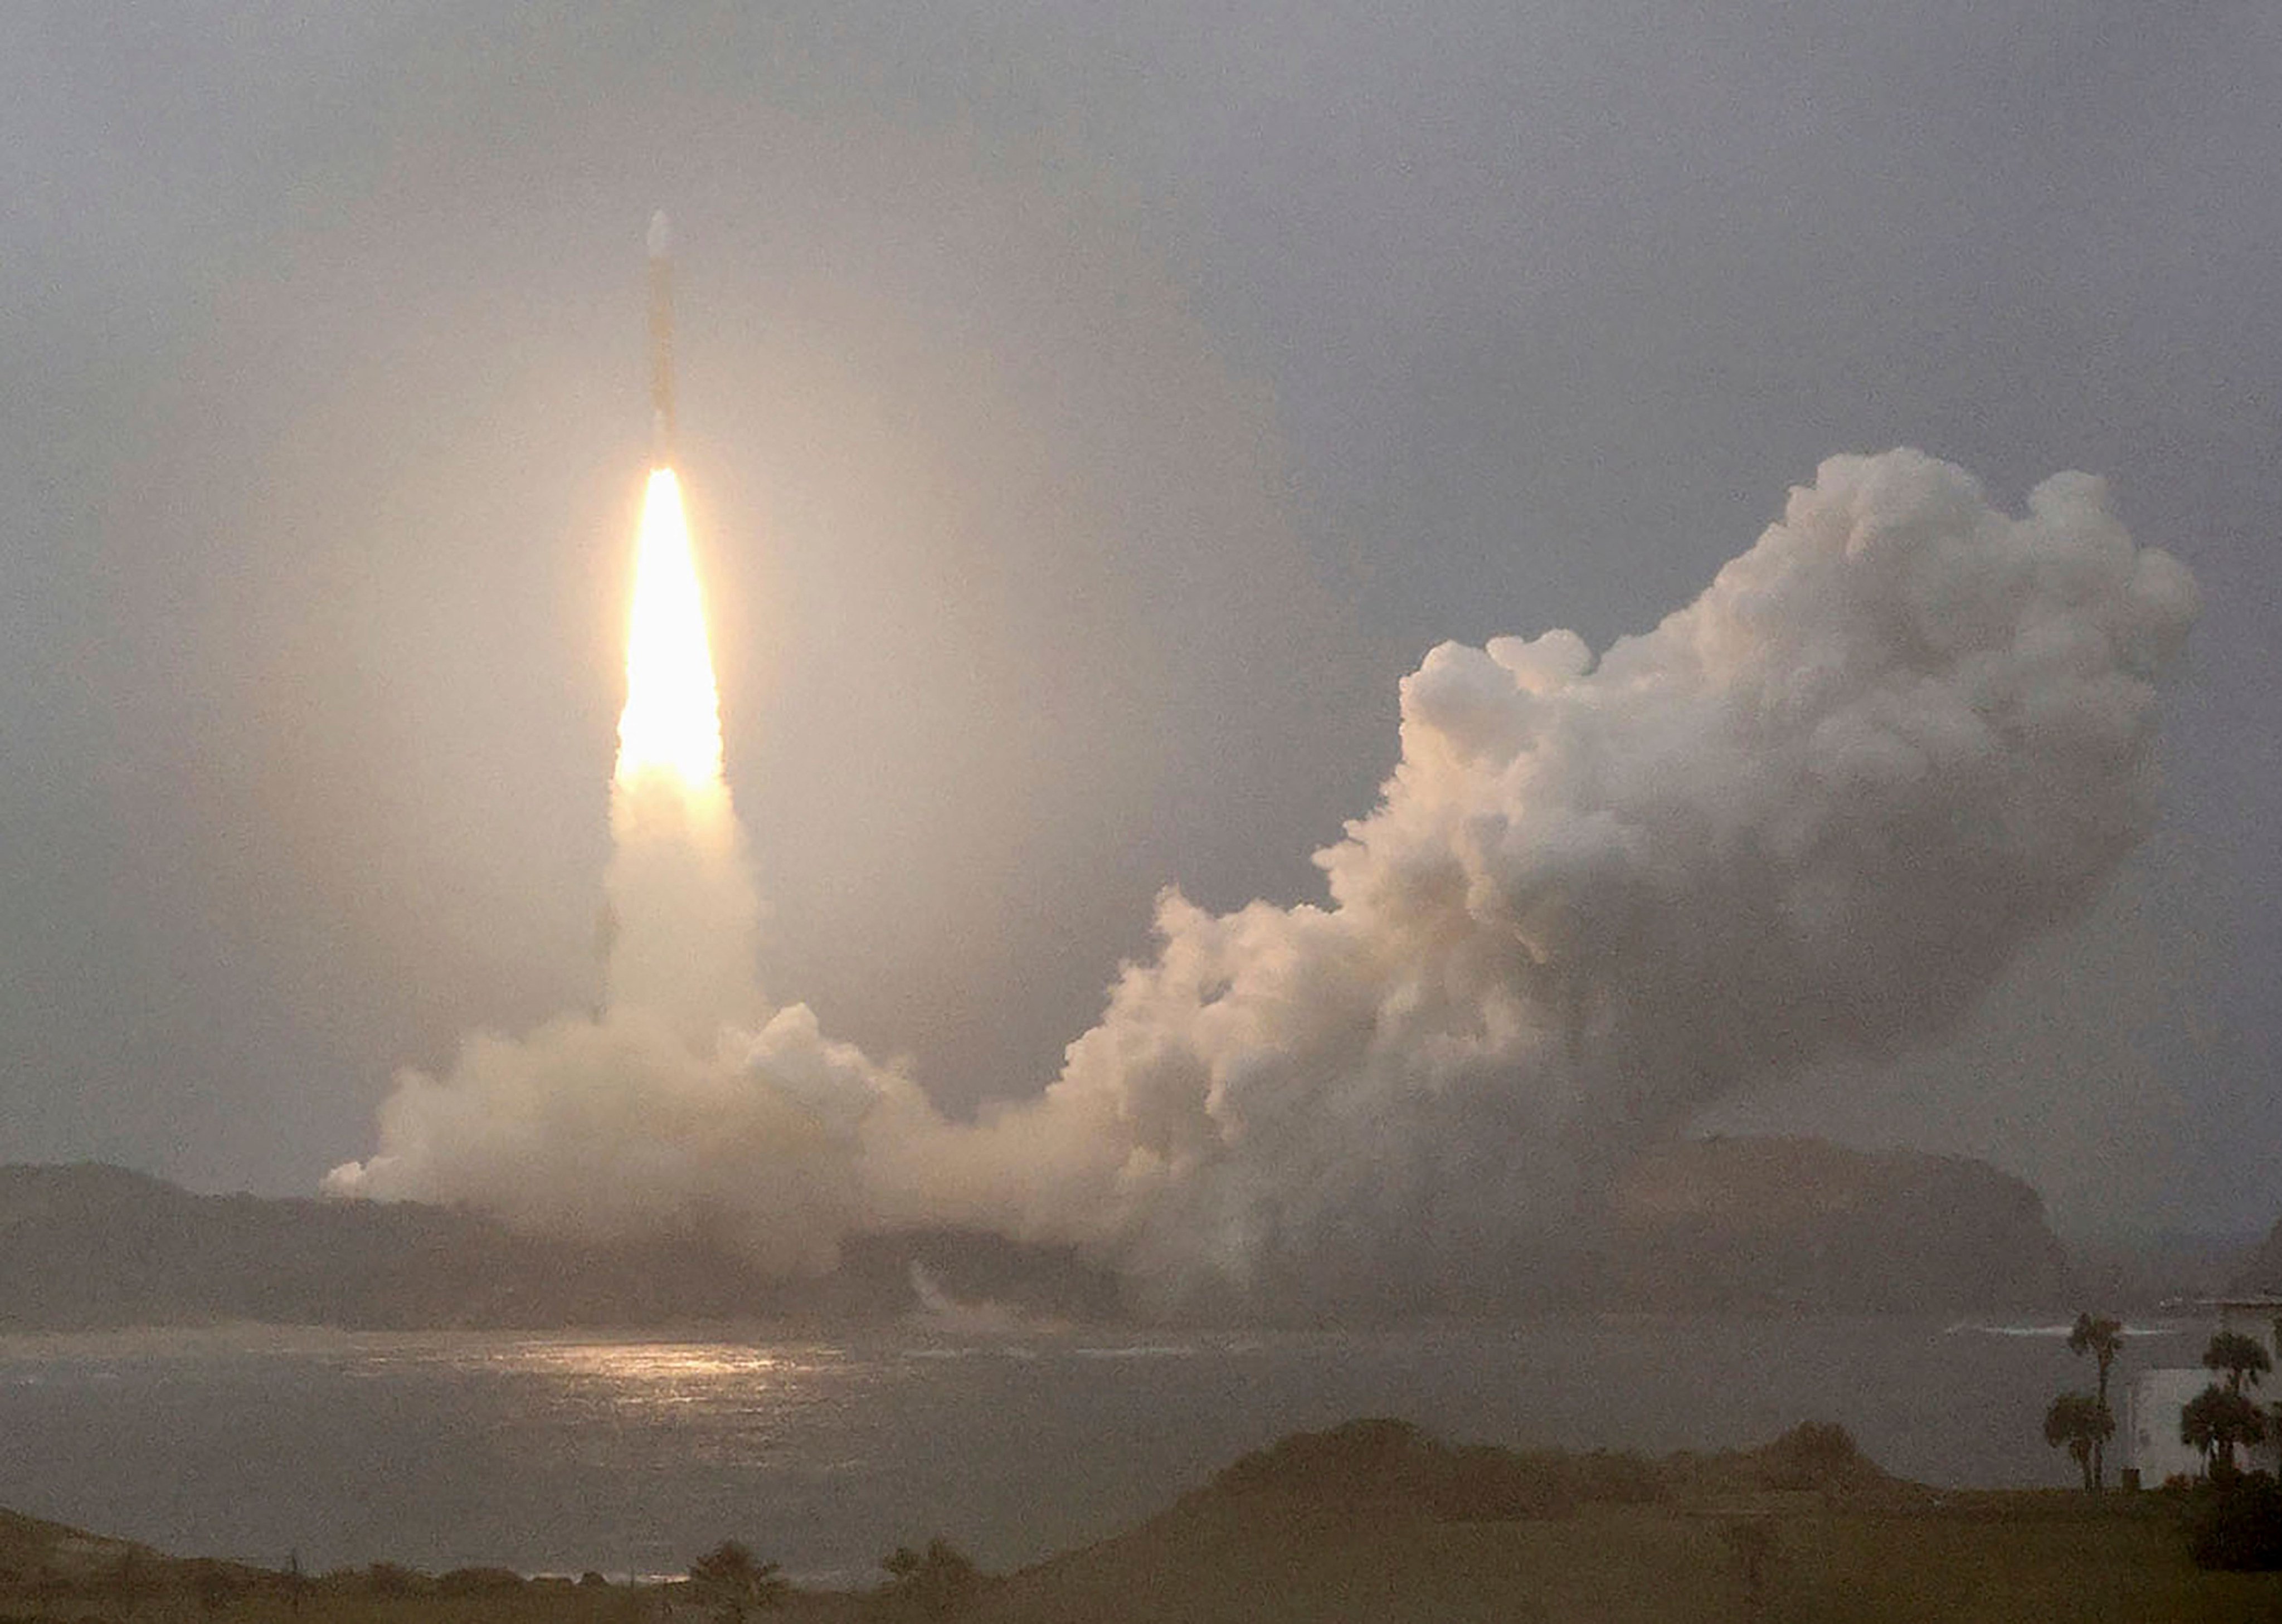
(1088, 414)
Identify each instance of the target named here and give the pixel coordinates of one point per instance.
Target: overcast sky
(1088, 414)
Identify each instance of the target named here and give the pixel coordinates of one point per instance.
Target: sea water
(633, 1455)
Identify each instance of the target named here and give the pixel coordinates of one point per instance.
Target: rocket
(661, 340)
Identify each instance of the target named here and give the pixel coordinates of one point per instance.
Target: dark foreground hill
(1371, 1520)
(1734, 1224)
(1378, 1521)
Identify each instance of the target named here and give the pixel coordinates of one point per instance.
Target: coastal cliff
(1768, 1224)
(1799, 1223)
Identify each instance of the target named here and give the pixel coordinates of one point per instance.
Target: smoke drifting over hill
(1813, 814)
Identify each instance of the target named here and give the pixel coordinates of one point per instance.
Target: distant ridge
(1752, 1224)
(91, 1246)
(1773, 1222)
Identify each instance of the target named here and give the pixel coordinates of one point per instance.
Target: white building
(2151, 1422)
(2155, 1397)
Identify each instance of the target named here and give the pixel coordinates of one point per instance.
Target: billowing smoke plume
(1815, 813)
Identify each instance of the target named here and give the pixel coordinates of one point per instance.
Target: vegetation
(1820, 1454)
(1753, 1541)
(2215, 1421)
(1318, 1527)
(1899, 1556)
(1378, 1462)
(2242, 1358)
(2084, 1424)
(939, 1581)
(2222, 1419)
(2237, 1526)
(2102, 1338)
(733, 1583)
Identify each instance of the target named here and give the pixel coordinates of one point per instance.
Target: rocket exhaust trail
(671, 718)
(661, 340)
(682, 911)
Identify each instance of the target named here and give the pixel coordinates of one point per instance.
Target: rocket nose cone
(661, 236)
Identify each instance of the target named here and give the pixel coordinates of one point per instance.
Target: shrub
(940, 1578)
(2237, 1526)
(1752, 1539)
(479, 1581)
(734, 1582)
(1481, 1483)
(1815, 1454)
(1378, 1465)
(1356, 1460)
(215, 1584)
(388, 1579)
(1616, 1477)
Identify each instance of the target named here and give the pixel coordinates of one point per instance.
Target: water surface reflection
(632, 1454)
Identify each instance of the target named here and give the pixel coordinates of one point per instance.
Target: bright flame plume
(672, 720)
(680, 940)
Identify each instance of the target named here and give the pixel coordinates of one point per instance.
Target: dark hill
(1379, 1520)
(89, 1246)
(1391, 1467)
(1732, 1224)
(1776, 1223)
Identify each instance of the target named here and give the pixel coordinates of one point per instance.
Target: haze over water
(561, 1453)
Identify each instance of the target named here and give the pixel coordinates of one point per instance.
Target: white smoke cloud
(683, 913)
(1813, 814)
(685, 1104)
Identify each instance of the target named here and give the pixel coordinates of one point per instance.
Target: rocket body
(661, 340)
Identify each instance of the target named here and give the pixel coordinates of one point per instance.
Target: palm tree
(2217, 1419)
(2102, 1338)
(2238, 1355)
(2082, 1423)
